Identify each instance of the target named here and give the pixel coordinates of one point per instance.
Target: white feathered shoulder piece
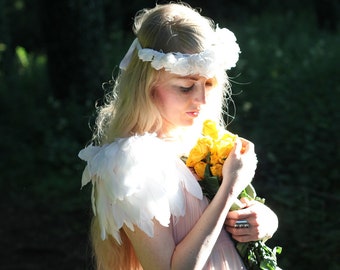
(136, 180)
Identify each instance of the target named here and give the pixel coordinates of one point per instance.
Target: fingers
(238, 146)
(247, 146)
(239, 168)
(244, 213)
(262, 221)
(246, 202)
(247, 234)
(243, 230)
(240, 224)
(243, 234)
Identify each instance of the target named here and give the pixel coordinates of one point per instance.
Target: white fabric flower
(222, 54)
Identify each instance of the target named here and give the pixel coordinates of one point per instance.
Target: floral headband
(222, 54)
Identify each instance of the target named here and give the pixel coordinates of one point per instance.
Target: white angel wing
(135, 180)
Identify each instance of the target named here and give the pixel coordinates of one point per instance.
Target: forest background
(54, 57)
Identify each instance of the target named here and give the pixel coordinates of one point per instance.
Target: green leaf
(257, 256)
(250, 190)
(210, 186)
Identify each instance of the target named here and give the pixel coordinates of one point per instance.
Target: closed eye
(187, 89)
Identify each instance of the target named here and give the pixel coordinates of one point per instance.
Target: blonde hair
(109, 255)
(130, 109)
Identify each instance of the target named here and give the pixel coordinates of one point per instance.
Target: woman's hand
(263, 222)
(239, 167)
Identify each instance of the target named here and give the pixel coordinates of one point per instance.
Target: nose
(200, 94)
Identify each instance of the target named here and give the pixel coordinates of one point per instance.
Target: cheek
(164, 102)
(165, 97)
(158, 98)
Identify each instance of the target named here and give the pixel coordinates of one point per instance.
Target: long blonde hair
(129, 108)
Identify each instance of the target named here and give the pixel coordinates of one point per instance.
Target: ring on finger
(241, 224)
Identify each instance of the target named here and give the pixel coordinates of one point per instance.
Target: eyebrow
(194, 78)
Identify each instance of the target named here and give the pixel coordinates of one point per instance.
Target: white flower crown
(222, 54)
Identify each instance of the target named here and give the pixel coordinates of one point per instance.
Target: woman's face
(180, 99)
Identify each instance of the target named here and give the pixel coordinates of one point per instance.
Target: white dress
(140, 178)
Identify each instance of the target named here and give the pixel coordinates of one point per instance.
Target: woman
(149, 210)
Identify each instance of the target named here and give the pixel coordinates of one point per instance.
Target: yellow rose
(200, 168)
(216, 170)
(228, 136)
(214, 157)
(199, 152)
(223, 149)
(210, 129)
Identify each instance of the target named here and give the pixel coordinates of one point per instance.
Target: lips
(193, 113)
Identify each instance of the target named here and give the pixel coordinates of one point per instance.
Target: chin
(189, 123)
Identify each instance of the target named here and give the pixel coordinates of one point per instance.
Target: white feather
(136, 180)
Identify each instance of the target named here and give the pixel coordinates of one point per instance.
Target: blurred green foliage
(290, 109)
(286, 88)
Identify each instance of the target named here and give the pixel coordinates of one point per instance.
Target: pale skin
(263, 222)
(180, 100)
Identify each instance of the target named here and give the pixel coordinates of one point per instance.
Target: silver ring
(242, 224)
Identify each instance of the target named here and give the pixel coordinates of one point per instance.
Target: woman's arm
(160, 251)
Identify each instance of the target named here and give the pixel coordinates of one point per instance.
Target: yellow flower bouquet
(206, 160)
